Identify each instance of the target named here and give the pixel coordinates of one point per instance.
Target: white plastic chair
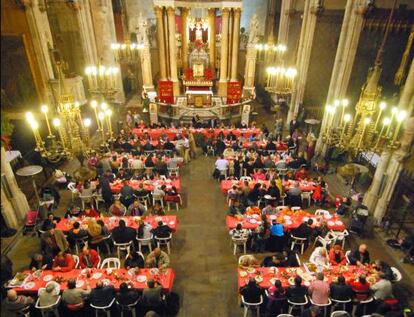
(105, 309)
(128, 308)
(283, 198)
(239, 242)
(145, 242)
(159, 198)
(177, 203)
(164, 241)
(111, 263)
(79, 243)
(255, 306)
(295, 208)
(23, 312)
(338, 313)
(323, 306)
(284, 315)
(245, 178)
(73, 190)
(298, 241)
(297, 305)
(298, 260)
(122, 247)
(322, 212)
(173, 171)
(307, 196)
(45, 310)
(397, 274)
(76, 259)
(362, 303)
(99, 199)
(341, 303)
(347, 253)
(140, 253)
(86, 199)
(144, 200)
(326, 241)
(340, 236)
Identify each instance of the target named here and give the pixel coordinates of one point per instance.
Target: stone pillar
(172, 47)
(224, 51)
(229, 43)
(161, 42)
(212, 39)
(235, 49)
(407, 94)
(270, 21)
(145, 56)
(7, 211)
(283, 33)
(184, 38)
(303, 57)
(250, 68)
(87, 34)
(104, 27)
(39, 28)
(372, 195)
(17, 199)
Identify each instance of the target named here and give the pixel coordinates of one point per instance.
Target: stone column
(145, 56)
(87, 34)
(184, 38)
(104, 27)
(407, 94)
(235, 49)
(250, 69)
(7, 211)
(17, 199)
(172, 47)
(161, 42)
(230, 41)
(224, 51)
(39, 28)
(284, 21)
(212, 39)
(303, 57)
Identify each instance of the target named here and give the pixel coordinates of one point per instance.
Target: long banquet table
(290, 221)
(305, 186)
(148, 184)
(111, 222)
(267, 275)
(33, 284)
(171, 133)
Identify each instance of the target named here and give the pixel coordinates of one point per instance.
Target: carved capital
(171, 11)
(237, 11)
(158, 10)
(212, 12)
(225, 12)
(73, 4)
(23, 4)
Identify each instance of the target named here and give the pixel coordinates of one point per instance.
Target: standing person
(293, 125)
(106, 192)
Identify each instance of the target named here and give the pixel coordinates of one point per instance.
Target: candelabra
(102, 80)
(126, 52)
(72, 131)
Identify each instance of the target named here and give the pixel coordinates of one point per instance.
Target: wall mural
(17, 84)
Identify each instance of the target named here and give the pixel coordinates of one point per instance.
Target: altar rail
(180, 110)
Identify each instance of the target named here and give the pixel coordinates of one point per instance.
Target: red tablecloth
(286, 275)
(171, 133)
(225, 185)
(148, 185)
(166, 279)
(111, 222)
(291, 221)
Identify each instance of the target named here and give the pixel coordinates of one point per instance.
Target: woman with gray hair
(49, 294)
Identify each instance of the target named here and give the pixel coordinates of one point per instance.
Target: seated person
(90, 212)
(102, 295)
(319, 256)
(319, 290)
(134, 259)
(276, 260)
(136, 209)
(382, 289)
(63, 262)
(141, 191)
(304, 230)
(383, 267)
(236, 209)
(41, 262)
(151, 296)
(270, 209)
(75, 234)
(239, 232)
(340, 290)
(48, 295)
(49, 221)
(122, 233)
(248, 260)
(157, 209)
(73, 212)
(161, 231)
(117, 209)
(297, 292)
(295, 195)
(251, 292)
(126, 295)
(361, 288)
(73, 295)
(158, 259)
(88, 258)
(290, 258)
(301, 174)
(337, 255)
(359, 256)
(14, 303)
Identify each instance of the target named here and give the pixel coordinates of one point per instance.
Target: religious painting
(17, 85)
(198, 101)
(198, 70)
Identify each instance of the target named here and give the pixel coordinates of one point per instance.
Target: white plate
(258, 278)
(29, 285)
(243, 273)
(253, 221)
(286, 217)
(48, 278)
(97, 275)
(331, 223)
(327, 216)
(106, 282)
(171, 223)
(273, 269)
(291, 280)
(288, 222)
(141, 278)
(80, 283)
(251, 270)
(154, 271)
(84, 271)
(339, 223)
(109, 271)
(307, 283)
(305, 218)
(272, 217)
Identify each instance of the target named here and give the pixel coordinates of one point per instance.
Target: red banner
(234, 92)
(166, 91)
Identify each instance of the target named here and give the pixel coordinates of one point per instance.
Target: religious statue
(142, 30)
(199, 34)
(253, 29)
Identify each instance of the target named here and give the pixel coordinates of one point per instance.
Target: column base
(20, 205)
(148, 88)
(222, 88)
(249, 92)
(370, 200)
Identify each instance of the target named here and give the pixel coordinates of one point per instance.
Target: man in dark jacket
(122, 233)
(340, 290)
(304, 231)
(251, 292)
(359, 256)
(297, 292)
(102, 295)
(161, 231)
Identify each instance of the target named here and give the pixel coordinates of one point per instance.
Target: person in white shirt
(239, 232)
(137, 164)
(382, 289)
(222, 164)
(319, 256)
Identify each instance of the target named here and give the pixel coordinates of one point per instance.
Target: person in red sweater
(63, 262)
(90, 212)
(89, 258)
(337, 255)
(361, 288)
(301, 174)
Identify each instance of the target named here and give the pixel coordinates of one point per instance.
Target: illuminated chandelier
(126, 52)
(72, 131)
(280, 79)
(102, 80)
(369, 130)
